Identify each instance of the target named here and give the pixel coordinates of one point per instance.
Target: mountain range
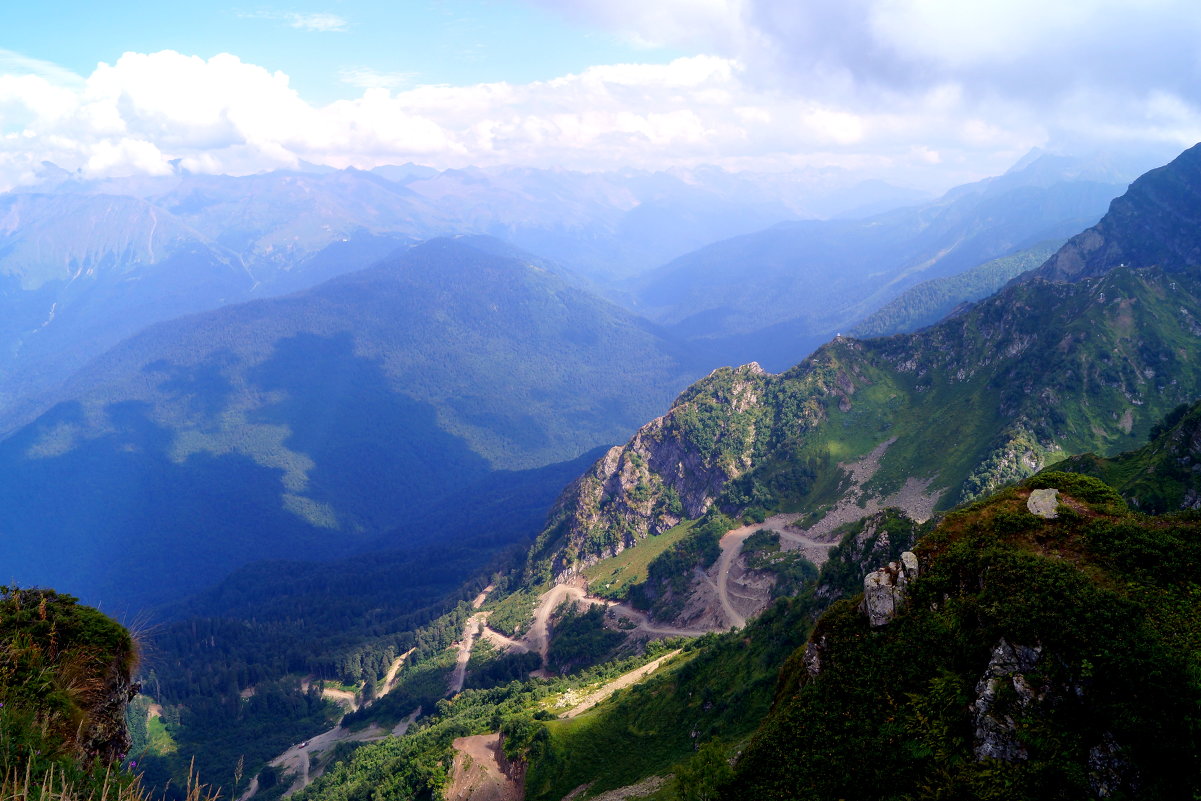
(930, 599)
(315, 422)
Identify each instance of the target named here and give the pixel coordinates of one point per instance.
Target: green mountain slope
(311, 424)
(930, 301)
(1163, 475)
(1030, 658)
(1021, 380)
(1033, 374)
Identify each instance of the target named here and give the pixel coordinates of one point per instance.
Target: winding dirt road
(296, 759)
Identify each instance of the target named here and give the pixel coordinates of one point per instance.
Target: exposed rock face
(1109, 772)
(994, 711)
(672, 469)
(884, 590)
(814, 655)
(1044, 503)
(106, 735)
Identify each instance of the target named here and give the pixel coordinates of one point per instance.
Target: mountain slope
(806, 280)
(1039, 371)
(931, 301)
(1028, 658)
(263, 429)
(1154, 223)
(1163, 475)
(1035, 373)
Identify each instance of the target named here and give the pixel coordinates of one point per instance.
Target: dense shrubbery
(792, 570)
(1110, 599)
(581, 640)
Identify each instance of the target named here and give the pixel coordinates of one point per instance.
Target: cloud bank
(924, 92)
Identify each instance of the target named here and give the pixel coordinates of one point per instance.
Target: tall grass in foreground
(113, 785)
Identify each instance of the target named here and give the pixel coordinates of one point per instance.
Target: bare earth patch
(481, 772)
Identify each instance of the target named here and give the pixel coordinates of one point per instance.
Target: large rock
(884, 589)
(1044, 503)
(996, 710)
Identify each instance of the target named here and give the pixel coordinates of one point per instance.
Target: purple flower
(133, 763)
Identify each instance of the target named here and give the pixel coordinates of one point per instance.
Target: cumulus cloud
(928, 93)
(1006, 59)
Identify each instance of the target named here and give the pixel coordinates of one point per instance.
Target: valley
(529, 401)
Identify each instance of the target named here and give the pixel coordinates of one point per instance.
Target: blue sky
(325, 47)
(925, 93)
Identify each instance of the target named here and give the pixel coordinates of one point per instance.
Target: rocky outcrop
(1044, 503)
(68, 668)
(996, 709)
(814, 655)
(105, 736)
(673, 469)
(884, 590)
(1109, 771)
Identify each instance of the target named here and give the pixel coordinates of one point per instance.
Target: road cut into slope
(619, 683)
(296, 760)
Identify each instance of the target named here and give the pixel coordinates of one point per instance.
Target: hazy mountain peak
(1155, 223)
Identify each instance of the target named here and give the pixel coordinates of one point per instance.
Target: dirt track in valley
(297, 758)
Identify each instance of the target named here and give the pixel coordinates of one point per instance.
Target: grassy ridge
(1111, 602)
(930, 301)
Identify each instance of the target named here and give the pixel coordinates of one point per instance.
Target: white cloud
(318, 22)
(368, 78)
(927, 92)
(324, 23)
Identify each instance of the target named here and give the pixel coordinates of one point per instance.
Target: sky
(923, 93)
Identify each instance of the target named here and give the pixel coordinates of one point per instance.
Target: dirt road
(401, 728)
(625, 680)
(643, 622)
(731, 547)
(471, 630)
(390, 677)
(538, 637)
(296, 759)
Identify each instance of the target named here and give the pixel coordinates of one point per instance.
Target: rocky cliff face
(1157, 222)
(673, 469)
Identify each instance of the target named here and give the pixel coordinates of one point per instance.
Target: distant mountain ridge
(773, 295)
(267, 428)
(1153, 224)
